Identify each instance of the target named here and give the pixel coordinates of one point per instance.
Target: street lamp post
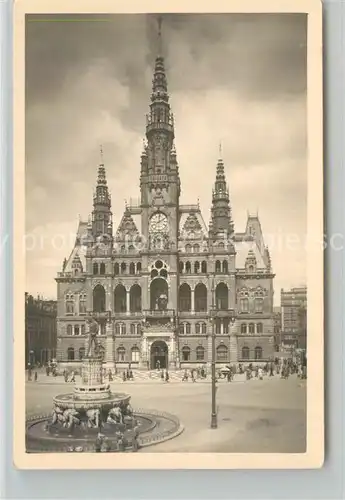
(214, 419)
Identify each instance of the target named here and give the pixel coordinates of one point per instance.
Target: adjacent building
(294, 317)
(40, 329)
(163, 281)
(277, 318)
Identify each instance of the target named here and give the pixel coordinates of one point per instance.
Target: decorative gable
(127, 227)
(192, 226)
(251, 262)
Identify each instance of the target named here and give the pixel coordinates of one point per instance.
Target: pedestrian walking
(167, 376)
(36, 376)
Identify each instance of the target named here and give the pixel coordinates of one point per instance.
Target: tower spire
(101, 214)
(221, 211)
(159, 35)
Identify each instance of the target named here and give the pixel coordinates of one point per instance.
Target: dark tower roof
(221, 218)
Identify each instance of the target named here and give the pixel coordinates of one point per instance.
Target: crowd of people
(281, 367)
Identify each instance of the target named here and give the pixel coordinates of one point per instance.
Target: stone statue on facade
(92, 340)
(162, 302)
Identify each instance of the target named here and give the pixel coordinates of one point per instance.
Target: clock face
(158, 223)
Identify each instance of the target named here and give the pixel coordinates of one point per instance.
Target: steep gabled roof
(127, 226)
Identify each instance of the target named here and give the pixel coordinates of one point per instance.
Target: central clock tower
(160, 184)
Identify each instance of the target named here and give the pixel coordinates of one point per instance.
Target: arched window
(185, 297)
(123, 267)
(196, 267)
(82, 303)
(163, 273)
(218, 266)
(250, 269)
(138, 267)
(245, 352)
(222, 294)
(159, 294)
(134, 328)
(204, 267)
(121, 354)
(188, 248)
(188, 267)
(82, 330)
(98, 296)
(196, 248)
(225, 266)
(135, 298)
(259, 302)
(197, 328)
(203, 328)
(221, 246)
(123, 248)
(69, 304)
(135, 354)
(243, 328)
(188, 329)
(102, 268)
(95, 268)
(181, 329)
(251, 328)
(185, 353)
(69, 329)
(70, 354)
(131, 249)
(120, 299)
(259, 328)
(132, 268)
(120, 328)
(76, 330)
(116, 269)
(200, 353)
(218, 322)
(258, 352)
(81, 353)
(244, 303)
(200, 295)
(222, 353)
(181, 265)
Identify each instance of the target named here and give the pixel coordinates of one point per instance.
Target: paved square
(254, 416)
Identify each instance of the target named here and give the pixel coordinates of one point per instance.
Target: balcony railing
(159, 313)
(101, 314)
(222, 313)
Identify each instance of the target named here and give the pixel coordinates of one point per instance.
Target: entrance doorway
(159, 355)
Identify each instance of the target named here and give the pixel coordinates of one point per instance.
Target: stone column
(222, 326)
(172, 353)
(143, 352)
(192, 301)
(108, 297)
(128, 303)
(109, 344)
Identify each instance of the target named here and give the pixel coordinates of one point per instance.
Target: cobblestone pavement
(253, 416)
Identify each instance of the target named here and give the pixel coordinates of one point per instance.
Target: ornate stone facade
(165, 282)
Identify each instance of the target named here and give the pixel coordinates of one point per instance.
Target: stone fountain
(92, 416)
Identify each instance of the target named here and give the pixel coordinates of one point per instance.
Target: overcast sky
(238, 79)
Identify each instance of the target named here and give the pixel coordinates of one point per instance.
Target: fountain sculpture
(92, 414)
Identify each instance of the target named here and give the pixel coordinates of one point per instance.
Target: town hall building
(163, 282)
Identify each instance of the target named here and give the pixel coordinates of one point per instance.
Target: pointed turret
(222, 223)
(160, 122)
(159, 167)
(101, 214)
